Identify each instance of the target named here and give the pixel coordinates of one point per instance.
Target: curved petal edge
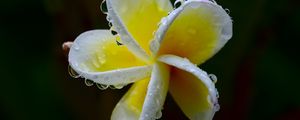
(156, 92)
(210, 14)
(186, 65)
(91, 57)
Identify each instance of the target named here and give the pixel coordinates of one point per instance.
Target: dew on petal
(101, 86)
(213, 78)
(75, 46)
(158, 87)
(164, 21)
(216, 107)
(112, 87)
(146, 115)
(227, 11)
(95, 63)
(158, 114)
(213, 1)
(117, 86)
(108, 18)
(217, 94)
(88, 82)
(177, 3)
(113, 32)
(72, 72)
(119, 43)
(101, 58)
(103, 7)
(154, 45)
(110, 24)
(186, 60)
(154, 32)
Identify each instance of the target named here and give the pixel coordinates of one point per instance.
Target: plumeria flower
(157, 48)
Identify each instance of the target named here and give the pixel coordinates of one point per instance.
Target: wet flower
(157, 48)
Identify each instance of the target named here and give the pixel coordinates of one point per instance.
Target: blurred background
(257, 69)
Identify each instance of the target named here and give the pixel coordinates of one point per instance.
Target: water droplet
(216, 107)
(118, 43)
(213, 1)
(107, 18)
(75, 46)
(110, 24)
(173, 13)
(158, 37)
(112, 87)
(177, 3)
(103, 7)
(119, 86)
(76, 64)
(102, 87)
(227, 11)
(186, 60)
(164, 21)
(193, 70)
(158, 114)
(96, 63)
(72, 72)
(113, 32)
(213, 78)
(217, 94)
(101, 59)
(116, 86)
(157, 87)
(154, 32)
(157, 101)
(88, 82)
(154, 46)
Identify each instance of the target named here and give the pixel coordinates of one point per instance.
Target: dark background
(257, 70)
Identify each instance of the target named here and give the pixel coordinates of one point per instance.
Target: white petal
(156, 93)
(129, 18)
(84, 52)
(126, 37)
(185, 65)
(121, 111)
(131, 104)
(117, 77)
(221, 20)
